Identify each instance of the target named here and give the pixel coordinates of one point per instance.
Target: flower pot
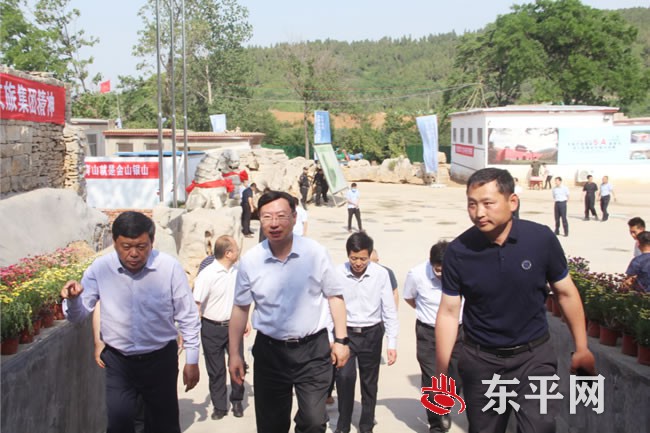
(608, 336)
(58, 312)
(557, 310)
(9, 346)
(36, 325)
(629, 345)
(593, 329)
(26, 337)
(47, 319)
(643, 357)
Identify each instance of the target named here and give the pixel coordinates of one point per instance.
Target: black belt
(214, 322)
(426, 325)
(507, 352)
(292, 342)
(142, 356)
(362, 329)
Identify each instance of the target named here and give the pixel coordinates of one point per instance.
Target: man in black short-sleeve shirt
(501, 267)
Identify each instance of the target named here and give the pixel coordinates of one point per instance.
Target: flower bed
(29, 290)
(612, 303)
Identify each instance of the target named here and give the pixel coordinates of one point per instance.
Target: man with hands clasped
(144, 295)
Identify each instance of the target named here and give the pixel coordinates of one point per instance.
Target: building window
(453, 134)
(92, 144)
(151, 146)
(462, 135)
(125, 147)
(470, 139)
(479, 135)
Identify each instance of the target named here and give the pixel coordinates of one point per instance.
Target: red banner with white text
(32, 101)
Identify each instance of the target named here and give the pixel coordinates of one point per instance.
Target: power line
(412, 95)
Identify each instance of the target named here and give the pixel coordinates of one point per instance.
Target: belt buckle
(509, 352)
(356, 330)
(292, 342)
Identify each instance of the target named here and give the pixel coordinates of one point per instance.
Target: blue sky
(277, 21)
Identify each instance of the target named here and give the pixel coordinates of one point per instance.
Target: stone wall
(40, 155)
(53, 385)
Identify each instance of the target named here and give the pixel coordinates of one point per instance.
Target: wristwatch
(344, 341)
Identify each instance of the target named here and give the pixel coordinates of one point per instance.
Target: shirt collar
(428, 269)
(150, 265)
(297, 249)
(367, 273)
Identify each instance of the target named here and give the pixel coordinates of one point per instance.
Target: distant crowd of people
(318, 324)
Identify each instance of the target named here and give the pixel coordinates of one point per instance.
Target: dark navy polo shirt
(504, 286)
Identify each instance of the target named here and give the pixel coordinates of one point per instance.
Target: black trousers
(357, 213)
(365, 349)
(590, 202)
(476, 366)
(153, 377)
(326, 188)
(604, 203)
(214, 339)
(560, 214)
(304, 190)
(425, 336)
(547, 183)
(246, 219)
(318, 192)
(281, 368)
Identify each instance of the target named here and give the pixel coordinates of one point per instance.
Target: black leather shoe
(218, 414)
(237, 409)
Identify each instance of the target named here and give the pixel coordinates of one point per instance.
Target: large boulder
(43, 220)
(198, 231)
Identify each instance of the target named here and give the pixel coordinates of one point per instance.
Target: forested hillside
(399, 74)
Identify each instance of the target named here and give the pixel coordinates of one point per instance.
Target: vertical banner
(322, 133)
(428, 127)
(331, 167)
(218, 122)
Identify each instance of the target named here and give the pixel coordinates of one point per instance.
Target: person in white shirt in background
(423, 292)
(302, 217)
(561, 197)
(214, 292)
(605, 192)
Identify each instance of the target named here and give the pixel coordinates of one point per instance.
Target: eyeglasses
(268, 219)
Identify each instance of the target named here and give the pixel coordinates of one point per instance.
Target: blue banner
(218, 122)
(428, 127)
(322, 133)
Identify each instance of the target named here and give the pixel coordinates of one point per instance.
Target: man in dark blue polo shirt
(501, 267)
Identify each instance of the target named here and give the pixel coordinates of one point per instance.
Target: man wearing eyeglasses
(371, 311)
(292, 281)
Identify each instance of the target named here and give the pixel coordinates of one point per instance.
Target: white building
(572, 141)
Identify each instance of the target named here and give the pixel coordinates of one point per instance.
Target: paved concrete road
(405, 220)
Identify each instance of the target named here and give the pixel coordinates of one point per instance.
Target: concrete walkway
(405, 220)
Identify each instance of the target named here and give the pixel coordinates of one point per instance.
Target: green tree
(57, 21)
(311, 74)
(561, 50)
(48, 45)
(23, 46)
(218, 68)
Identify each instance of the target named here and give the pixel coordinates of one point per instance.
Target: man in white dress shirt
(292, 281)
(145, 301)
(214, 291)
(423, 291)
(371, 310)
